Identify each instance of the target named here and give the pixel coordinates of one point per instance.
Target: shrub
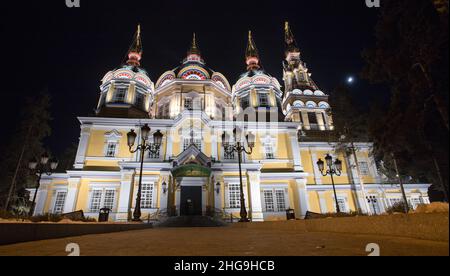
(345, 215)
(88, 219)
(398, 207)
(47, 218)
(6, 214)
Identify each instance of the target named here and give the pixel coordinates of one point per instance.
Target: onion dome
(127, 91)
(255, 87)
(193, 68)
(254, 75)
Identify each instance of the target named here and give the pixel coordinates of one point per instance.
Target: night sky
(47, 46)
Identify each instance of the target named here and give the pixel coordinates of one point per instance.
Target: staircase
(191, 221)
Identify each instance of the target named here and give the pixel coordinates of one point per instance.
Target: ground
(228, 241)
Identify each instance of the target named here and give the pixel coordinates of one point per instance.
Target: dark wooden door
(191, 201)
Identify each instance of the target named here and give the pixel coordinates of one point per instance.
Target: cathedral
(190, 120)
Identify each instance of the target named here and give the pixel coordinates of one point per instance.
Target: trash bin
(104, 215)
(290, 214)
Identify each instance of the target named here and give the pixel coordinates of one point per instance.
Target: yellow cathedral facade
(195, 107)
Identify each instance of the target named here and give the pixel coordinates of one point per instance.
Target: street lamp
(164, 187)
(239, 147)
(44, 165)
(143, 147)
(334, 168)
(218, 188)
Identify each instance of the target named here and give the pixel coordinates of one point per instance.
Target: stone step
(191, 221)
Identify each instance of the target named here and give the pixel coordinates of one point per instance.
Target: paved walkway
(227, 241)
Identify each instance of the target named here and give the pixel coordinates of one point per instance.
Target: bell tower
(303, 102)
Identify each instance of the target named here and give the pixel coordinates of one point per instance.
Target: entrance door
(191, 201)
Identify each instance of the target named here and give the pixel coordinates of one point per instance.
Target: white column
(255, 195)
(170, 141)
(214, 146)
(41, 197)
(305, 118)
(125, 192)
(363, 204)
(82, 146)
(359, 181)
(302, 197)
(72, 195)
(296, 151)
(322, 202)
(320, 120)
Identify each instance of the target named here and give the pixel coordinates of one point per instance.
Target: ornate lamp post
(334, 168)
(40, 167)
(143, 147)
(239, 147)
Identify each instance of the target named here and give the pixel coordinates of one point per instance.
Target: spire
(135, 52)
(193, 55)
(251, 55)
(194, 47)
(290, 39)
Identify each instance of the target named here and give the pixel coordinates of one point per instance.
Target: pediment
(192, 155)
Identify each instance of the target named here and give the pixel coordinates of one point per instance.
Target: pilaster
(302, 197)
(254, 178)
(72, 195)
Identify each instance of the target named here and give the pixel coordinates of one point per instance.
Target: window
(301, 77)
(274, 200)
(234, 196)
(364, 168)
(269, 201)
(229, 155)
(59, 202)
(188, 104)
(196, 141)
(269, 150)
(119, 95)
(264, 99)
(163, 111)
(281, 200)
(96, 201)
(312, 118)
(220, 112)
(140, 100)
(111, 149)
(342, 202)
(147, 195)
(108, 202)
(245, 102)
(102, 199)
(154, 155)
(394, 200)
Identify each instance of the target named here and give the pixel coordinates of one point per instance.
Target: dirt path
(227, 241)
